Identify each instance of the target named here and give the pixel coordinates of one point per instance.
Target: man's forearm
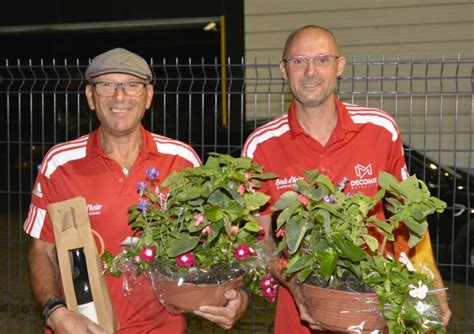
(43, 271)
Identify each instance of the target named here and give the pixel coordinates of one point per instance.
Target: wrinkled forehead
(311, 41)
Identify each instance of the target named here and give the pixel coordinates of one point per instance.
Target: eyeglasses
(107, 89)
(300, 63)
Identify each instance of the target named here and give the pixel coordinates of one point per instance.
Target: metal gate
(214, 109)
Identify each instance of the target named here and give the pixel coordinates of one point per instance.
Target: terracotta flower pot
(188, 297)
(344, 311)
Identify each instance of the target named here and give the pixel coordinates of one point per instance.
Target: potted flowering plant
(197, 227)
(325, 241)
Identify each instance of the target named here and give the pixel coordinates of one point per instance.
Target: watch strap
(50, 305)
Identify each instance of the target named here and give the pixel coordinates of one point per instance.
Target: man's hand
(300, 302)
(64, 321)
(227, 315)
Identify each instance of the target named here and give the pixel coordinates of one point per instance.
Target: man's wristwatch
(51, 305)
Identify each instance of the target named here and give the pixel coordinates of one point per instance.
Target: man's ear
(90, 97)
(283, 71)
(149, 96)
(341, 65)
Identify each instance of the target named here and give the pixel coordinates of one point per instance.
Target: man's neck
(123, 149)
(319, 122)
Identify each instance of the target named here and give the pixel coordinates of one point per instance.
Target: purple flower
(141, 186)
(329, 199)
(152, 173)
(143, 205)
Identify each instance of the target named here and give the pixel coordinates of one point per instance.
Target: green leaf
(372, 242)
(348, 249)
(183, 244)
(297, 263)
(133, 215)
(418, 228)
(322, 216)
(323, 180)
(252, 226)
(264, 176)
(304, 273)
(311, 175)
(255, 200)
(328, 263)
(285, 201)
(213, 214)
(295, 232)
(190, 193)
(286, 214)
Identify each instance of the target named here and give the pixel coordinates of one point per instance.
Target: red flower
(261, 234)
(148, 254)
(269, 291)
(185, 260)
(242, 252)
(280, 233)
(267, 281)
(303, 199)
(282, 264)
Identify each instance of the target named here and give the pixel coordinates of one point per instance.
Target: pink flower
(270, 294)
(267, 284)
(267, 281)
(242, 252)
(248, 175)
(303, 199)
(148, 254)
(280, 233)
(241, 189)
(261, 234)
(234, 230)
(185, 260)
(206, 230)
(250, 187)
(198, 219)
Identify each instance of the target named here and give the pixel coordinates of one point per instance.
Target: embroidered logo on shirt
(94, 209)
(37, 191)
(361, 171)
(287, 182)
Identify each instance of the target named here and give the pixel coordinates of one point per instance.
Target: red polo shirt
(82, 168)
(364, 142)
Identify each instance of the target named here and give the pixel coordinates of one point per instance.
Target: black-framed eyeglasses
(300, 63)
(107, 89)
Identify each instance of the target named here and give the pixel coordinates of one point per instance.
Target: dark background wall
(164, 41)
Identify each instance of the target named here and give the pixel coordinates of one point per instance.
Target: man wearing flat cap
(104, 167)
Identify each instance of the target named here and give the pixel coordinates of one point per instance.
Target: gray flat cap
(119, 61)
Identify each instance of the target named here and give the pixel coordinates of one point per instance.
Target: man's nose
(311, 68)
(119, 92)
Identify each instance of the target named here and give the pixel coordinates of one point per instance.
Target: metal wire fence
(214, 108)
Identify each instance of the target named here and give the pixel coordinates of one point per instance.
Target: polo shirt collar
(94, 147)
(344, 121)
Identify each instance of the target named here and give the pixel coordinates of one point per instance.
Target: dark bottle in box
(82, 287)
